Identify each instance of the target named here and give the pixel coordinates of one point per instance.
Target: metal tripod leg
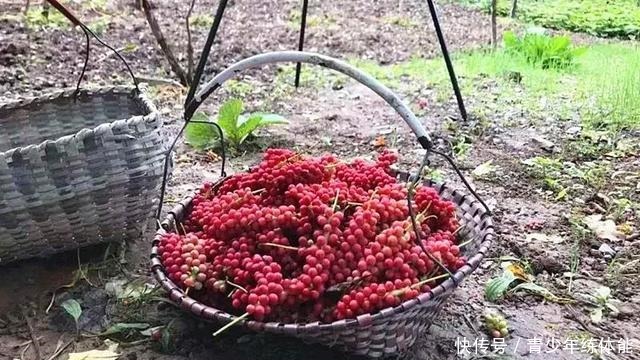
(205, 51)
(303, 25)
(447, 59)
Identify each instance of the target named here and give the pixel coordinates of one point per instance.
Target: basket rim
(152, 116)
(209, 313)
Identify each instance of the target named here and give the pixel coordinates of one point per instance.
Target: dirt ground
(342, 119)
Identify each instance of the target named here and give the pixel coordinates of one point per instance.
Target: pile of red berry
(301, 239)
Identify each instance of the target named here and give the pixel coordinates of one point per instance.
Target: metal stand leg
(447, 59)
(205, 51)
(303, 25)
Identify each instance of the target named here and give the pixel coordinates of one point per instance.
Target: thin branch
(494, 26)
(189, 44)
(32, 334)
(514, 8)
(157, 33)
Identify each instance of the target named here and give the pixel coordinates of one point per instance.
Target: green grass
(605, 18)
(203, 21)
(605, 83)
(610, 74)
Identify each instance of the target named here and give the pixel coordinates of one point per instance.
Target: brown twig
(189, 44)
(61, 349)
(32, 334)
(494, 26)
(157, 33)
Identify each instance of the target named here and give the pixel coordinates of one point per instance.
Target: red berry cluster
(311, 239)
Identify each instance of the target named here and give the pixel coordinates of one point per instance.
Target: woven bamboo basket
(390, 331)
(77, 170)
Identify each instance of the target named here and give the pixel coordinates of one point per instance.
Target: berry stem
(426, 281)
(335, 201)
(236, 286)
(461, 245)
(280, 246)
(230, 324)
(418, 284)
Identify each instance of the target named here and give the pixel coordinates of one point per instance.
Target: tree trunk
(168, 53)
(514, 8)
(494, 27)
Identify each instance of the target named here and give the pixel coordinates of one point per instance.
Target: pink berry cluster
(300, 239)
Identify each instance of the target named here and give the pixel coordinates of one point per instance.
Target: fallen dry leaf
(517, 271)
(94, 355)
(379, 141)
(604, 229)
(109, 354)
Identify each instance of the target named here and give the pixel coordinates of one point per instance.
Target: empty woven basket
(77, 171)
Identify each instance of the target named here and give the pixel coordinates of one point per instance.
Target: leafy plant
(515, 274)
(73, 308)
(540, 49)
(550, 171)
(236, 126)
(604, 18)
(604, 304)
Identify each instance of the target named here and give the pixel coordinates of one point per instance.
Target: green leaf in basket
(73, 308)
(497, 287)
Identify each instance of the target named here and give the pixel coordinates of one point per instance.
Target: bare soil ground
(344, 119)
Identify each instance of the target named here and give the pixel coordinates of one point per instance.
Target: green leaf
(73, 308)
(602, 294)
(497, 287)
(201, 136)
(228, 118)
(562, 194)
(249, 124)
(535, 289)
(272, 119)
(124, 328)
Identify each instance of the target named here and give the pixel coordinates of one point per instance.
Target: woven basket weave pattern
(76, 173)
(392, 330)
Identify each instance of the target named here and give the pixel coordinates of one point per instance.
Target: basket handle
(296, 57)
(315, 59)
(76, 22)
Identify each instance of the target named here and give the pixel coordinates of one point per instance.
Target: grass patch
(603, 86)
(604, 18)
(324, 20)
(37, 17)
(610, 76)
(202, 21)
(402, 21)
